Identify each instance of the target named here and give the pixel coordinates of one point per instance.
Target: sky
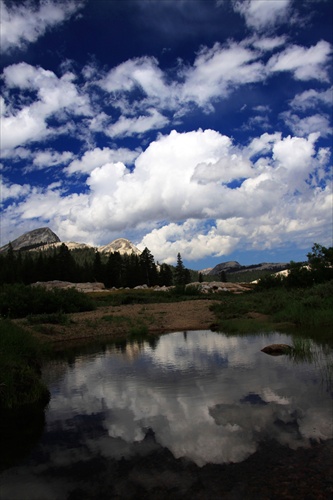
(199, 127)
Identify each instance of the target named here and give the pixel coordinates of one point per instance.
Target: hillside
(32, 239)
(43, 239)
(235, 267)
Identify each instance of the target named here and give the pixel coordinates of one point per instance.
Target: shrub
(18, 301)
(20, 357)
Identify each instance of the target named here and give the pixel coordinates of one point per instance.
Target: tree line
(318, 269)
(88, 265)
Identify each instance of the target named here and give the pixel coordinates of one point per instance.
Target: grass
(116, 320)
(301, 350)
(124, 297)
(19, 301)
(20, 357)
(58, 318)
(307, 309)
(135, 327)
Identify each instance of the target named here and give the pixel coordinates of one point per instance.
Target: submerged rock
(277, 349)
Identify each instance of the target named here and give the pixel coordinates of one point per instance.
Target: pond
(155, 418)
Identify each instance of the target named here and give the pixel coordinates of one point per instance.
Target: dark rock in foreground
(277, 349)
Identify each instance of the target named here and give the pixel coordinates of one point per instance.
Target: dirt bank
(118, 321)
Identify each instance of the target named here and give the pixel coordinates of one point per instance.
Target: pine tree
(165, 275)
(223, 277)
(64, 264)
(179, 276)
(148, 268)
(98, 268)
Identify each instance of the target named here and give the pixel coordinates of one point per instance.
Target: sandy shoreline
(117, 321)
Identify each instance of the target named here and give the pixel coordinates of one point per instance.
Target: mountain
(205, 271)
(227, 267)
(235, 267)
(33, 239)
(71, 245)
(43, 239)
(120, 245)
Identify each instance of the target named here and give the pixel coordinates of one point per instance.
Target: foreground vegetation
(19, 301)
(302, 298)
(20, 360)
(279, 308)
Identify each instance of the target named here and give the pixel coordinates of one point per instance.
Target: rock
(81, 287)
(32, 239)
(277, 349)
(219, 286)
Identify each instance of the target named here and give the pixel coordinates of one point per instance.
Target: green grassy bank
(306, 309)
(20, 361)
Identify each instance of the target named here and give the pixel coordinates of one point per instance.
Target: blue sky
(195, 126)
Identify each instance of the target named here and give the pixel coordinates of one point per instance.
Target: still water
(203, 396)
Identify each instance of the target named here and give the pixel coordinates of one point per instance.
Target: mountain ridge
(32, 239)
(235, 267)
(44, 238)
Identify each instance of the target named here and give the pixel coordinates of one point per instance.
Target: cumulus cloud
(98, 157)
(49, 158)
(146, 97)
(191, 239)
(55, 95)
(311, 98)
(305, 63)
(23, 24)
(142, 72)
(12, 191)
(263, 14)
(197, 193)
(307, 125)
(218, 69)
(137, 125)
(269, 43)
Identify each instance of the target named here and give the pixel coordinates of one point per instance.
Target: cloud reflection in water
(207, 397)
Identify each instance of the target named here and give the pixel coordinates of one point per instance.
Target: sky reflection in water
(206, 397)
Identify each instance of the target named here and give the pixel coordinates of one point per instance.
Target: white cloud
(218, 70)
(294, 158)
(307, 125)
(26, 125)
(14, 191)
(49, 158)
(215, 72)
(23, 24)
(312, 98)
(305, 63)
(269, 43)
(99, 157)
(190, 239)
(138, 125)
(177, 197)
(263, 144)
(142, 92)
(262, 14)
(55, 95)
(142, 73)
